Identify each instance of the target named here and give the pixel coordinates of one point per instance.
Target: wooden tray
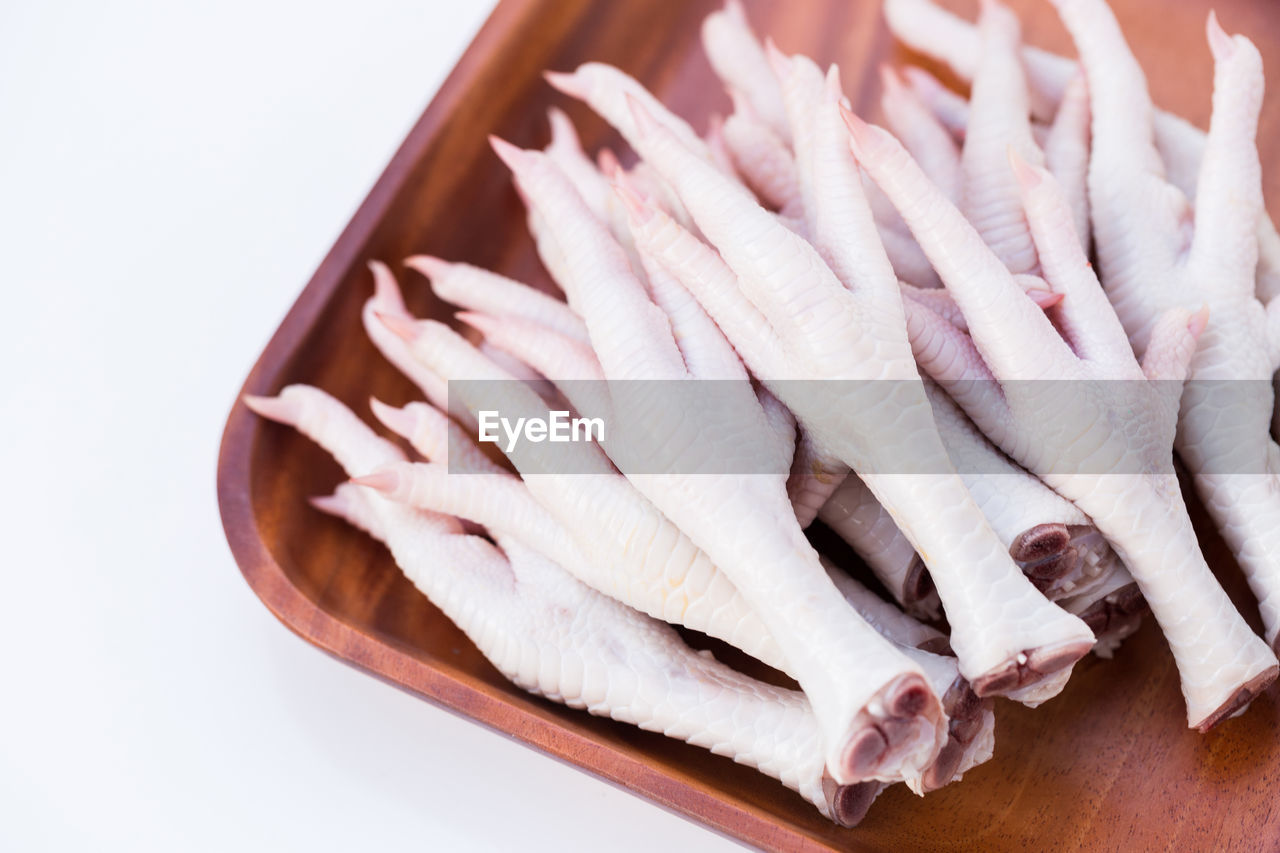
(1109, 764)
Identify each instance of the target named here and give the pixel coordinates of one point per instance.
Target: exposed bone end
(918, 585)
(1115, 612)
(1030, 666)
(962, 705)
(1054, 557)
(864, 752)
(937, 646)
(880, 740)
(965, 712)
(1041, 541)
(1239, 700)
(944, 769)
(909, 701)
(848, 804)
(1045, 573)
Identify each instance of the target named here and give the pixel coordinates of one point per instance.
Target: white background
(170, 175)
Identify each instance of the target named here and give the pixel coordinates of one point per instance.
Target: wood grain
(1109, 764)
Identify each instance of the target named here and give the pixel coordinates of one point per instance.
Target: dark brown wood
(1109, 764)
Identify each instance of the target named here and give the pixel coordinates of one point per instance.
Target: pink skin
(517, 606)
(950, 110)
(387, 301)
(1065, 141)
(435, 437)
(921, 132)
(1147, 232)
(672, 581)
(935, 32)
(1066, 153)
(606, 90)
(565, 149)
(669, 579)
(802, 87)
(636, 338)
(481, 290)
(815, 327)
(999, 108)
(762, 158)
(739, 61)
(806, 94)
(1221, 661)
(717, 145)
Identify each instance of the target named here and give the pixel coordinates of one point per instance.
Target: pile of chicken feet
(947, 260)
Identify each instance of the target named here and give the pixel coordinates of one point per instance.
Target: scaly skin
(1138, 507)
(566, 150)
(855, 515)
(430, 433)
(805, 93)
(971, 721)
(1065, 142)
(891, 622)
(948, 107)
(762, 158)
(606, 89)
(1150, 262)
(478, 289)
(928, 28)
(855, 679)
(387, 301)
(817, 329)
(1113, 610)
(1066, 153)
(999, 110)
(935, 32)
(633, 552)
(1054, 543)
(739, 61)
(924, 135)
(554, 636)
